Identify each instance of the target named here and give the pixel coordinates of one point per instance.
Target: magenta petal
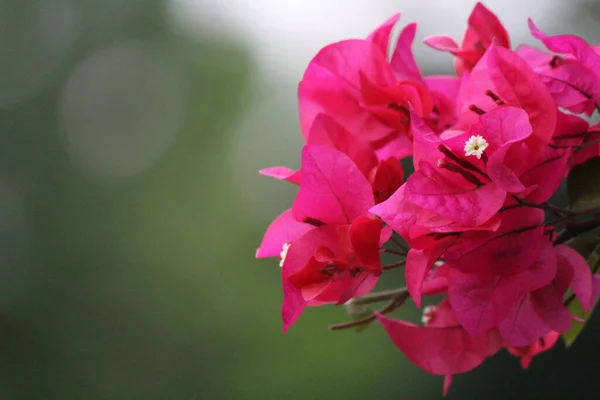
(447, 383)
(503, 127)
(284, 229)
(418, 264)
(513, 246)
(439, 351)
(519, 85)
(522, 326)
(403, 61)
(581, 282)
(397, 212)
(293, 305)
(503, 176)
(444, 84)
(282, 173)
(326, 131)
(468, 205)
(381, 35)
(481, 300)
(546, 176)
(569, 44)
(332, 84)
(442, 43)
(548, 304)
(333, 190)
(298, 255)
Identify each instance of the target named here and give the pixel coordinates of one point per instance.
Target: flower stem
(396, 252)
(399, 244)
(575, 229)
(395, 302)
(395, 265)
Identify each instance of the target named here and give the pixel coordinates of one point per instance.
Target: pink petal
(442, 43)
(467, 204)
(418, 264)
(503, 127)
(487, 26)
(523, 325)
(548, 304)
(447, 383)
(298, 255)
(283, 174)
(444, 84)
(333, 190)
(381, 35)
(569, 44)
(326, 131)
(331, 84)
(581, 282)
(481, 300)
(365, 235)
(397, 212)
(403, 61)
(439, 351)
(546, 176)
(284, 229)
(517, 84)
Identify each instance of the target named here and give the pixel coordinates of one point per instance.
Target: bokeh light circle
(120, 110)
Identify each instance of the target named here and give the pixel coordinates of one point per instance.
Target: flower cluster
(490, 147)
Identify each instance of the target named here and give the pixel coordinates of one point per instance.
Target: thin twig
(395, 303)
(395, 265)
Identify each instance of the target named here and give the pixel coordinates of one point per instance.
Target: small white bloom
(475, 146)
(283, 253)
(427, 314)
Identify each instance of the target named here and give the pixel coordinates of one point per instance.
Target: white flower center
(475, 146)
(283, 253)
(427, 315)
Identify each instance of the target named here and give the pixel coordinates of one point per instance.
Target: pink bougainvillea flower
(490, 148)
(332, 85)
(484, 28)
(353, 82)
(330, 264)
(333, 189)
(442, 346)
(465, 189)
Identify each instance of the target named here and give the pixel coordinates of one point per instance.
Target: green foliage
(583, 185)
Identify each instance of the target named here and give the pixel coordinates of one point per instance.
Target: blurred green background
(130, 207)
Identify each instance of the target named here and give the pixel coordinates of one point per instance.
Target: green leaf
(585, 244)
(575, 308)
(583, 185)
